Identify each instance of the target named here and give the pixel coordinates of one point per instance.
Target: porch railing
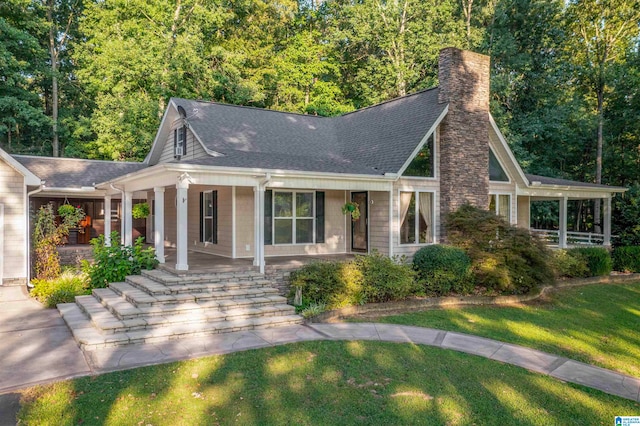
(577, 238)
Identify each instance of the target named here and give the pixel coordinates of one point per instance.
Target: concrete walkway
(36, 347)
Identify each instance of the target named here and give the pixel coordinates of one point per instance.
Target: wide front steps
(158, 306)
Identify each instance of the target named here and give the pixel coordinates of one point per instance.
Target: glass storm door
(359, 231)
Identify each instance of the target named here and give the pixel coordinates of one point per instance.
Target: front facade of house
(238, 182)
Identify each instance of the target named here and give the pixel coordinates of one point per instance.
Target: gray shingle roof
(544, 180)
(373, 140)
(73, 172)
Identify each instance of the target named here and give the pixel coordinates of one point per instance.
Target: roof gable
(30, 178)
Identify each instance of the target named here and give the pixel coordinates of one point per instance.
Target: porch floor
(201, 263)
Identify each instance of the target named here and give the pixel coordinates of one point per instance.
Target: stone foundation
(73, 255)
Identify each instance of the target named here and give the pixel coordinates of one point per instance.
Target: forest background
(91, 79)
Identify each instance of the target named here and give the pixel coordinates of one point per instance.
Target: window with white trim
(293, 217)
(208, 217)
(416, 217)
(500, 204)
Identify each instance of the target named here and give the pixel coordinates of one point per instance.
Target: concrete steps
(159, 306)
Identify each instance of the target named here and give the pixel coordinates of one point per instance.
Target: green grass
(324, 383)
(596, 324)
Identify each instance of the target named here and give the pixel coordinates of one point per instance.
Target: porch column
(607, 222)
(107, 220)
(127, 219)
(182, 218)
(158, 222)
(258, 227)
(562, 231)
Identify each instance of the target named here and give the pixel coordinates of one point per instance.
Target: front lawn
(324, 383)
(596, 324)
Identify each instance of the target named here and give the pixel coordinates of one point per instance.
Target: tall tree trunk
(467, 9)
(597, 208)
(54, 79)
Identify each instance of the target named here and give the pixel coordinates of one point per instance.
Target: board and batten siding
(412, 185)
(194, 149)
(14, 234)
(335, 241)
(379, 221)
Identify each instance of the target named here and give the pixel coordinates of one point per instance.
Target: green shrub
(63, 289)
(570, 265)
(597, 259)
(370, 278)
(626, 259)
(385, 279)
(113, 263)
(442, 269)
(505, 258)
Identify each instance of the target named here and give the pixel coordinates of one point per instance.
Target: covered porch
(566, 213)
(203, 218)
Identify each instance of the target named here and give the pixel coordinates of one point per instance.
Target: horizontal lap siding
(244, 221)
(379, 221)
(507, 188)
(413, 185)
(12, 197)
(194, 149)
(335, 241)
(524, 212)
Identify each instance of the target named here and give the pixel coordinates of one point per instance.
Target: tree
(601, 32)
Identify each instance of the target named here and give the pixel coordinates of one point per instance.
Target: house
(238, 182)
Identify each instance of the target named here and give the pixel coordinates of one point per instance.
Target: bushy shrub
(63, 289)
(46, 237)
(505, 258)
(385, 279)
(569, 264)
(370, 278)
(442, 269)
(626, 259)
(597, 259)
(113, 263)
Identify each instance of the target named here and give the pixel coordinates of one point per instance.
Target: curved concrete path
(37, 347)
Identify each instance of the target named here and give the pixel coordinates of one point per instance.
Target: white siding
(14, 229)
(524, 212)
(379, 221)
(244, 221)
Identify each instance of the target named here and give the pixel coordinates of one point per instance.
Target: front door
(359, 228)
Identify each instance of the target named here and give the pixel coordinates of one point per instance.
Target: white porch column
(607, 222)
(562, 234)
(158, 222)
(107, 220)
(127, 219)
(258, 227)
(182, 218)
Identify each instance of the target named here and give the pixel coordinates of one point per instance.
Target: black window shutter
(268, 217)
(319, 217)
(202, 217)
(184, 140)
(175, 142)
(215, 217)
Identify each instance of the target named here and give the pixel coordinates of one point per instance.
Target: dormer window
(179, 142)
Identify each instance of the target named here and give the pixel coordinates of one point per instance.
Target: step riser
(202, 288)
(115, 341)
(189, 297)
(190, 322)
(166, 278)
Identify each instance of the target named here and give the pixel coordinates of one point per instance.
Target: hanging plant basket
(140, 211)
(352, 209)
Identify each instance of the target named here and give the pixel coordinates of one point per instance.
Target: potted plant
(140, 211)
(71, 215)
(351, 208)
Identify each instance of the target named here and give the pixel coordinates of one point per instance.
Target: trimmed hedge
(443, 269)
(626, 259)
(597, 259)
(370, 278)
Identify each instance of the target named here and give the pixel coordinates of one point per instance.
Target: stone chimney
(464, 132)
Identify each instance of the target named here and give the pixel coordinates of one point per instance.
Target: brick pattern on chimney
(464, 132)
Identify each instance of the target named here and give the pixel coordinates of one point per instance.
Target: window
(422, 164)
(293, 217)
(416, 217)
(209, 217)
(501, 205)
(496, 172)
(179, 142)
